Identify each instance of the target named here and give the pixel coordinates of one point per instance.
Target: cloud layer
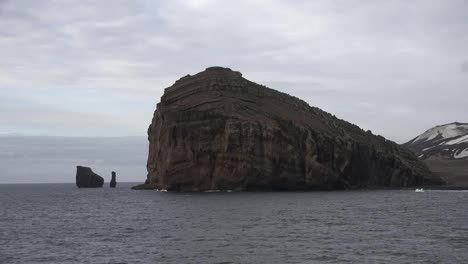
(95, 68)
(54, 159)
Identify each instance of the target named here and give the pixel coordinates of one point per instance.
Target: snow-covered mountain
(449, 141)
(444, 149)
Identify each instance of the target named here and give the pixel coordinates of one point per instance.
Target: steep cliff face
(218, 131)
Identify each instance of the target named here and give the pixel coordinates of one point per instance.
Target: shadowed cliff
(218, 131)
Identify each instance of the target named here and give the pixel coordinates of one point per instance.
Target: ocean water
(59, 223)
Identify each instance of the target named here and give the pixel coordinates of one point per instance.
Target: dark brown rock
(86, 178)
(218, 131)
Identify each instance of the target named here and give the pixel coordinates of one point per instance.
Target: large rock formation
(86, 178)
(216, 130)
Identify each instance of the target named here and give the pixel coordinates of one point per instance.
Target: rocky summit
(216, 130)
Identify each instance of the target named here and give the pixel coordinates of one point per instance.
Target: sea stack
(219, 131)
(86, 178)
(113, 181)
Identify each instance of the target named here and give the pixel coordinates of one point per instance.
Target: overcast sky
(98, 68)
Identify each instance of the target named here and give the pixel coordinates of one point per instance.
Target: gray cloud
(464, 67)
(54, 159)
(389, 66)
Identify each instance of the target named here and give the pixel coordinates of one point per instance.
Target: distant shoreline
(454, 188)
(21, 183)
(443, 188)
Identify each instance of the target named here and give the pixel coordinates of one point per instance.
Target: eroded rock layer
(218, 131)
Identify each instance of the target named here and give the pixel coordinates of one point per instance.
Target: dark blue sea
(59, 223)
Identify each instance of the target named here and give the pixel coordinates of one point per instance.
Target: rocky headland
(216, 130)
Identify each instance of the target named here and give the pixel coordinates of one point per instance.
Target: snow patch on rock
(427, 148)
(462, 154)
(458, 140)
(445, 131)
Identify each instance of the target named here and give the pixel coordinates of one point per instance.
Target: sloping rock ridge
(449, 141)
(218, 131)
(86, 178)
(444, 149)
